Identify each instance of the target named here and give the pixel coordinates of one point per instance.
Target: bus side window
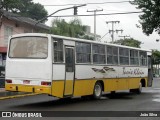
(98, 54)
(134, 60)
(109, 55)
(143, 58)
(58, 50)
(124, 56)
(83, 52)
(112, 55)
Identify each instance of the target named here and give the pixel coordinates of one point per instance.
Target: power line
(121, 13)
(93, 3)
(103, 36)
(111, 2)
(58, 11)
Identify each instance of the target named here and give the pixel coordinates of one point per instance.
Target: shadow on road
(72, 101)
(121, 95)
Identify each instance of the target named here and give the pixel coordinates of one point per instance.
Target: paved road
(149, 100)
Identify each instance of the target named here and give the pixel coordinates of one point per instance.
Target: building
(11, 24)
(88, 32)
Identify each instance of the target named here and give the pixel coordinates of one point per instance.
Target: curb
(17, 96)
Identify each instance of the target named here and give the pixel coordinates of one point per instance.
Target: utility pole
(125, 36)
(112, 31)
(118, 31)
(95, 20)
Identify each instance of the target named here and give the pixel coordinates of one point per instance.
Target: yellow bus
(67, 67)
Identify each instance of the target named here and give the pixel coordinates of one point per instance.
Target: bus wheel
(138, 90)
(132, 90)
(97, 90)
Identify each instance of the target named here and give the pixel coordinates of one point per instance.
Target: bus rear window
(29, 47)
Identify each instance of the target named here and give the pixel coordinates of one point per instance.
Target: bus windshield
(29, 47)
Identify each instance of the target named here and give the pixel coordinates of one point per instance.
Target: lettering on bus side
(135, 71)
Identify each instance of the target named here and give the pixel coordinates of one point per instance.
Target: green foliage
(129, 42)
(59, 27)
(25, 8)
(150, 19)
(72, 29)
(87, 37)
(156, 56)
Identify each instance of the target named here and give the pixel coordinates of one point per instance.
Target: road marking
(156, 100)
(156, 88)
(16, 96)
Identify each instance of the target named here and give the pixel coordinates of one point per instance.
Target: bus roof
(76, 39)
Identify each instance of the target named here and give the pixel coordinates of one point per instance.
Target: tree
(156, 57)
(129, 42)
(72, 29)
(150, 19)
(59, 27)
(25, 8)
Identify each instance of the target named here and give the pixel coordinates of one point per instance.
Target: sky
(128, 22)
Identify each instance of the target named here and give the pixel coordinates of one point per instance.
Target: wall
(17, 29)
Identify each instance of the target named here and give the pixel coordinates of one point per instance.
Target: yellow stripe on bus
(68, 87)
(81, 87)
(57, 88)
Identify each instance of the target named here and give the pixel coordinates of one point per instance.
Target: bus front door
(70, 70)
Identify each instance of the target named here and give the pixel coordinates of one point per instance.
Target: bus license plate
(26, 81)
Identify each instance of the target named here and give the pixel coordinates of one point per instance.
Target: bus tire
(132, 90)
(138, 90)
(97, 92)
